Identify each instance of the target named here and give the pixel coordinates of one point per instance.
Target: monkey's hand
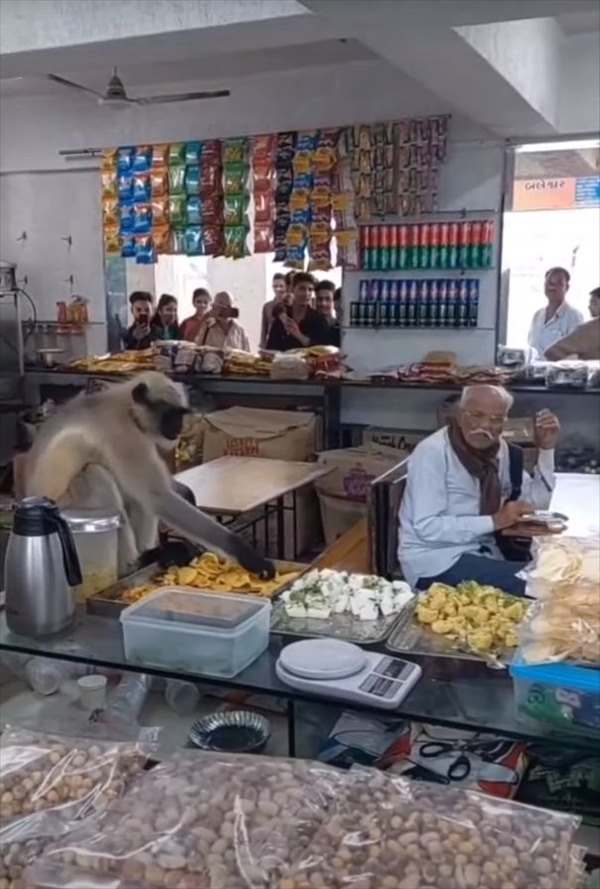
(253, 562)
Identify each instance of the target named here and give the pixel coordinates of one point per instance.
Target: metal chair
(385, 498)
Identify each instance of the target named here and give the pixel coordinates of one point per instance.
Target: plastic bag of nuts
(390, 833)
(48, 783)
(198, 821)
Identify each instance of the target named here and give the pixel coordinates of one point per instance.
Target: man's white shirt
(543, 334)
(439, 514)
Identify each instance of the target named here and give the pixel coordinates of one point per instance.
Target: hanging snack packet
(177, 243)
(285, 150)
(145, 254)
(193, 240)
(108, 182)
(160, 238)
(177, 211)
(263, 176)
(300, 216)
(235, 241)
(211, 210)
(210, 179)
(285, 182)
(211, 150)
(126, 218)
(264, 148)
(347, 248)
(142, 218)
(212, 237)
(192, 179)
(306, 141)
(263, 207)
(193, 152)
(142, 159)
(108, 160)
(125, 160)
(159, 182)
(110, 212)
(302, 162)
(176, 180)
(299, 199)
(296, 236)
(125, 186)
(128, 246)
(235, 151)
(160, 155)
(264, 240)
(177, 153)
(234, 209)
(235, 178)
(303, 181)
(193, 210)
(160, 211)
(141, 187)
(112, 239)
(320, 258)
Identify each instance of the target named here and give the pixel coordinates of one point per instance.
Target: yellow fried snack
(480, 617)
(209, 572)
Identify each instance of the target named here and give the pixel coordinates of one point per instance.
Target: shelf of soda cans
(427, 303)
(435, 246)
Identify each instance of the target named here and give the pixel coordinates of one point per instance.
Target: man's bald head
(482, 414)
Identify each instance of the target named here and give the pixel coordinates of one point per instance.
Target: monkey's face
(159, 414)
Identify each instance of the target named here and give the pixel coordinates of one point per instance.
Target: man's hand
(547, 429)
(511, 513)
(292, 329)
(140, 331)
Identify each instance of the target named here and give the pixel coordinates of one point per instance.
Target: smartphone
(234, 313)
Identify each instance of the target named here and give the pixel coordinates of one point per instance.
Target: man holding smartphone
(139, 335)
(219, 329)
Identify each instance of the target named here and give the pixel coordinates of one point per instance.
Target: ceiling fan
(116, 96)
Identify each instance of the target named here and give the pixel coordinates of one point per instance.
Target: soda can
(403, 247)
(476, 245)
(355, 314)
(452, 245)
(375, 290)
(414, 248)
(434, 246)
(365, 247)
(451, 299)
(402, 305)
(372, 309)
(411, 305)
(384, 248)
(473, 302)
(423, 305)
(394, 247)
(434, 304)
(464, 241)
(384, 291)
(373, 248)
(462, 304)
(364, 290)
(394, 291)
(424, 236)
(442, 302)
(444, 245)
(487, 243)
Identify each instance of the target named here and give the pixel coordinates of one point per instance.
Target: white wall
(579, 84)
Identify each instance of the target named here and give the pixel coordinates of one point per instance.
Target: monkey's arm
(199, 528)
(56, 464)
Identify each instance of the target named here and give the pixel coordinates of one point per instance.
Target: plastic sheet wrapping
(558, 561)
(389, 833)
(49, 783)
(199, 821)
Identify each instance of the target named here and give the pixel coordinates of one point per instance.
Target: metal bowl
(232, 731)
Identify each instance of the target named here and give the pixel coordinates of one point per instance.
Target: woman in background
(164, 323)
(190, 327)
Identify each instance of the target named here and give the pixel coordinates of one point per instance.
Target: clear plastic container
(96, 539)
(195, 631)
(558, 695)
(46, 676)
(182, 697)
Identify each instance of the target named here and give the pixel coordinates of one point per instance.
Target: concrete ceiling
(495, 62)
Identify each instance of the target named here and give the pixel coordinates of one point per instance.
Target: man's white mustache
(483, 432)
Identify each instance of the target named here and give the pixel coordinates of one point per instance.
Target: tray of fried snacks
(559, 561)
(116, 363)
(207, 572)
(470, 620)
(209, 821)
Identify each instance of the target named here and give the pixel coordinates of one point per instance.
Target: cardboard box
(339, 515)
(399, 439)
(354, 469)
(250, 432)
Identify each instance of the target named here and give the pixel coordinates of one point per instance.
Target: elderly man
(219, 330)
(465, 486)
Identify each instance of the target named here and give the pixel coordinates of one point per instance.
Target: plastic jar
(96, 540)
(45, 675)
(182, 697)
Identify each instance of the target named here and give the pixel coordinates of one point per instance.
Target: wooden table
(350, 552)
(234, 486)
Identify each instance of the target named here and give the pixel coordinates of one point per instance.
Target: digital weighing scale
(331, 668)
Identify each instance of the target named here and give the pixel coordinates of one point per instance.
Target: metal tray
(108, 604)
(412, 638)
(338, 626)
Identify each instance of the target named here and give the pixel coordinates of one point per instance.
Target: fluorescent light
(575, 145)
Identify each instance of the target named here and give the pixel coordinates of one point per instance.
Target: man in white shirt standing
(558, 319)
(464, 486)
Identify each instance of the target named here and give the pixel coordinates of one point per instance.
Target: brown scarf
(482, 465)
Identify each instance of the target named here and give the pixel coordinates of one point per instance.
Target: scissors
(457, 770)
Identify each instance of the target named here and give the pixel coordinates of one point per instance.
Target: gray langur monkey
(100, 451)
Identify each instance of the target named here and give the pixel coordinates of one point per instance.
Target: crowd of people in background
(302, 312)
